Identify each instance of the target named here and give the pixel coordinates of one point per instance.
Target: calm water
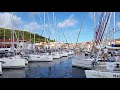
(59, 68)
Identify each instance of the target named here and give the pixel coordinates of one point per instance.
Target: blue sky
(69, 21)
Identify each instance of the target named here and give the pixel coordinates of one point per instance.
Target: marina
(59, 68)
(46, 45)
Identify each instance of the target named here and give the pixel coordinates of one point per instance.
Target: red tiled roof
(9, 40)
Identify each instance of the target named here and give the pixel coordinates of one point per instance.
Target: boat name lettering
(116, 76)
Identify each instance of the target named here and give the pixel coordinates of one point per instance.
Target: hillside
(38, 38)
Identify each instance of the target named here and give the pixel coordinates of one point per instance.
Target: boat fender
(117, 65)
(94, 63)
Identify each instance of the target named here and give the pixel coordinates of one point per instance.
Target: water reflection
(59, 68)
(13, 73)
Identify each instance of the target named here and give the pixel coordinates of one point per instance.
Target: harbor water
(59, 68)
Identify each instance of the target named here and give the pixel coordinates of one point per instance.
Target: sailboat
(55, 53)
(110, 69)
(88, 62)
(37, 56)
(82, 62)
(12, 61)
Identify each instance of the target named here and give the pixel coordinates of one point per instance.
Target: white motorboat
(13, 62)
(33, 57)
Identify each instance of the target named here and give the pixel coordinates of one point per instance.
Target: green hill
(38, 38)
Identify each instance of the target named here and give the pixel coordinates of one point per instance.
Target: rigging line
(41, 24)
(65, 37)
(12, 30)
(104, 20)
(105, 30)
(80, 31)
(4, 38)
(49, 27)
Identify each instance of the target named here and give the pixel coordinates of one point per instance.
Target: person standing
(105, 50)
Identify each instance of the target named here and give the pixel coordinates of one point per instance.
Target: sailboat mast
(4, 38)
(34, 29)
(105, 31)
(12, 33)
(44, 31)
(54, 28)
(114, 28)
(30, 35)
(23, 39)
(94, 22)
(80, 30)
(49, 30)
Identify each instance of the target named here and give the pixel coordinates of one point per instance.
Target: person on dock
(105, 50)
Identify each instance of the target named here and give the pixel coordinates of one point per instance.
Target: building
(18, 44)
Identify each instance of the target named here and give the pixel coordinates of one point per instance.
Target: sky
(67, 23)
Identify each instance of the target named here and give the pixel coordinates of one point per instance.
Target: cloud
(12, 21)
(8, 20)
(69, 22)
(34, 27)
(118, 24)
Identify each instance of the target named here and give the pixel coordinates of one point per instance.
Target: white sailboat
(23, 57)
(12, 62)
(82, 62)
(55, 54)
(33, 57)
(39, 57)
(101, 74)
(108, 69)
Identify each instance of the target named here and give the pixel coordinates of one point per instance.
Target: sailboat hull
(13, 62)
(70, 53)
(42, 58)
(83, 63)
(24, 58)
(100, 74)
(56, 56)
